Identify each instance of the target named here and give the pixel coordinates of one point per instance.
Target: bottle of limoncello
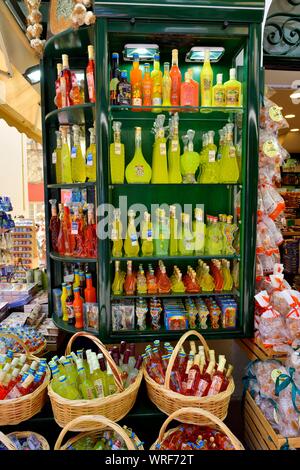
(147, 235)
(174, 152)
(138, 170)
(159, 156)
(229, 169)
(117, 285)
(189, 159)
(66, 175)
(156, 77)
(210, 173)
(199, 229)
(161, 234)
(206, 79)
(116, 234)
(77, 160)
(173, 250)
(91, 157)
(131, 244)
(56, 157)
(186, 241)
(117, 156)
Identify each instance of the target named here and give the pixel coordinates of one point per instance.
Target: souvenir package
(122, 315)
(271, 325)
(175, 315)
(91, 317)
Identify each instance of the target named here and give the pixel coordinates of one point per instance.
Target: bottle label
(139, 170)
(89, 393)
(147, 92)
(91, 85)
(54, 158)
(98, 384)
(70, 310)
(219, 98)
(77, 311)
(113, 87)
(117, 148)
(275, 113)
(74, 228)
(163, 148)
(73, 152)
(215, 385)
(136, 101)
(89, 159)
(191, 379)
(174, 145)
(156, 101)
(232, 96)
(124, 96)
(201, 387)
(211, 156)
(63, 89)
(133, 239)
(270, 148)
(206, 83)
(232, 152)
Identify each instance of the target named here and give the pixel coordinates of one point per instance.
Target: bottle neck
(117, 137)
(175, 59)
(156, 65)
(138, 140)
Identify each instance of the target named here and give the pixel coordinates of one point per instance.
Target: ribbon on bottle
(283, 381)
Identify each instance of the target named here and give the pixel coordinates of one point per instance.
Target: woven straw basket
(22, 434)
(196, 416)
(16, 410)
(92, 426)
(168, 401)
(114, 407)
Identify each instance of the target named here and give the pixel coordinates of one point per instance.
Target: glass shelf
(186, 112)
(71, 185)
(71, 259)
(175, 295)
(172, 185)
(77, 114)
(64, 325)
(173, 258)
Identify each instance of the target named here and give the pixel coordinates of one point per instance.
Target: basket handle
(94, 420)
(199, 412)
(177, 349)
(97, 342)
(7, 442)
(4, 334)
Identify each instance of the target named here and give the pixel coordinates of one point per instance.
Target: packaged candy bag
(274, 231)
(266, 373)
(271, 117)
(292, 318)
(273, 203)
(269, 408)
(271, 326)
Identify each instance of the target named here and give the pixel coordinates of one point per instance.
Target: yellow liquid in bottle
(206, 79)
(156, 77)
(138, 170)
(131, 244)
(174, 162)
(77, 160)
(116, 235)
(173, 246)
(117, 156)
(166, 85)
(159, 162)
(66, 161)
(91, 158)
(147, 236)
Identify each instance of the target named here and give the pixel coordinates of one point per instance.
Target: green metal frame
(243, 31)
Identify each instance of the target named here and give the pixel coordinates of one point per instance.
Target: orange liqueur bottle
(90, 75)
(175, 75)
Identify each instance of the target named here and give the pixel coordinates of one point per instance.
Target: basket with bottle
(98, 433)
(175, 381)
(106, 384)
(23, 384)
(192, 435)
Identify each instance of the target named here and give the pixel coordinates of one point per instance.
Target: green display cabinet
(235, 26)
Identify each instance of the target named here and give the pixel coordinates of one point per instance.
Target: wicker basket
(16, 410)
(196, 416)
(168, 401)
(24, 434)
(114, 407)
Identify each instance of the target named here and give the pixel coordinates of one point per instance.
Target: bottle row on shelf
(174, 314)
(168, 89)
(212, 277)
(191, 375)
(167, 237)
(76, 377)
(68, 91)
(73, 230)
(71, 164)
(17, 378)
(215, 165)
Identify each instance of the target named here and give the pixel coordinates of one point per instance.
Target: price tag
(149, 235)
(212, 156)
(174, 145)
(54, 158)
(74, 228)
(133, 239)
(73, 152)
(163, 149)
(117, 148)
(89, 159)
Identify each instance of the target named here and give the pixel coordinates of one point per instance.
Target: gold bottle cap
(65, 61)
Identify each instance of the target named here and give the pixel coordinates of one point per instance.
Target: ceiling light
(145, 51)
(196, 54)
(289, 116)
(294, 130)
(33, 74)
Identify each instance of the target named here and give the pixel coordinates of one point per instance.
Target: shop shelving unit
(234, 25)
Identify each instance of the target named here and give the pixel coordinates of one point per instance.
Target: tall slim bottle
(159, 155)
(89, 291)
(91, 157)
(77, 159)
(147, 235)
(116, 234)
(114, 78)
(66, 82)
(136, 79)
(54, 226)
(117, 156)
(174, 152)
(173, 249)
(199, 229)
(66, 172)
(186, 240)
(131, 244)
(147, 87)
(156, 77)
(206, 79)
(56, 157)
(175, 75)
(166, 85)
(90, 74)
(58, 99)
(138, 170)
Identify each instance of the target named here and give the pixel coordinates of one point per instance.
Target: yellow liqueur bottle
(91, 157)
(116, 234)
(159, 156)
(166, 85)
(117, 285)
(199, 229)
(156, 77)
(210, 172)
(117, 156)
(138, 170)
(56, 157)
(233, 90)
(147, 235)
(218, 92)
(174, 152)
(131, 244)
(189, 160)
(173, 247)
(77, 159)
(206, 80)
(186, 241)
(229, 169)
(66, 158)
